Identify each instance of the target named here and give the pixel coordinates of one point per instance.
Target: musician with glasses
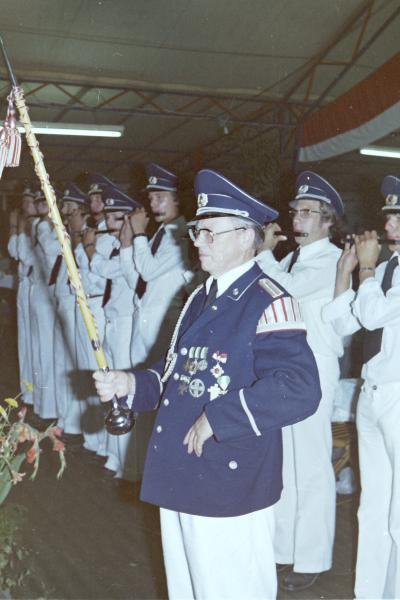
(237, 371)
(305, 515)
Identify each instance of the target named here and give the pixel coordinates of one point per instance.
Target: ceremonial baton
(118, 420)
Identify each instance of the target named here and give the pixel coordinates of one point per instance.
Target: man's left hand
(199, 433)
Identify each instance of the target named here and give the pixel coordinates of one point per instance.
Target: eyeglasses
(303, 213)
(206, 235)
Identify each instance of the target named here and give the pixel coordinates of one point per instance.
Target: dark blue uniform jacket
(245, 361)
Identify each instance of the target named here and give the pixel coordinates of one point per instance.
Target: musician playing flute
(305, 514)
(376, 307)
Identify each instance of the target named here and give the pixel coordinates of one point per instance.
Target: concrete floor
(89, 536)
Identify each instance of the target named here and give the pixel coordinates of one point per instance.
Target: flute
(290, 234)
(99, 231)
(382, 239)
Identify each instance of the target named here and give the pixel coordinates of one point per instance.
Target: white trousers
(305, 514)
(219, 558)
(378, 553)
(24, 339)
(93, 413)
(69, 408)
(121, 451)
(42, 317)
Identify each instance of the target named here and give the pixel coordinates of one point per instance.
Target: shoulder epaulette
(281, 314)
(270, 287)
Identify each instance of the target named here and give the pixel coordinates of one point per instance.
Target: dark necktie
(373, 339)
(107, 289)
(294, 258)
(55, 270)
(141, 284)
(212, 294)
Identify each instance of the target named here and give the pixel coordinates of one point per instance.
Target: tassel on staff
(10, 138)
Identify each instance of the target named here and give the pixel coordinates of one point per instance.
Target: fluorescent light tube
(384, 151)
(75, 129)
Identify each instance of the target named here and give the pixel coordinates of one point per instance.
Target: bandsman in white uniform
(305, 514)
(69, 407)
(91, 227)
(162, 264)
(376, 307)
(158, 271)
(20, 248)
(118, 309)
(42, 313)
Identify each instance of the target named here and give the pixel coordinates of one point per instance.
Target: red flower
(56, 431)
(58, 446)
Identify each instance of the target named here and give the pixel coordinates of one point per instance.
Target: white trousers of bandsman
(93, 416)
(219, 558)
(24, 339)
(378, 552)
(42, 318)
(305, 514)
(19, 248)
(69, 407)
(120, 449)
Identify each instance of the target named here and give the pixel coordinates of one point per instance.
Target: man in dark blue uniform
(237, 371)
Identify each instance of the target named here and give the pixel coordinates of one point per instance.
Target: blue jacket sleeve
(148, 387)
(286, 390)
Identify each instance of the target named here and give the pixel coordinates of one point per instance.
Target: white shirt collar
(314, 248)
(225, 280)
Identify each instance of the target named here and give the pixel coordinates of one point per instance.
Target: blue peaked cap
(116, 199)
(74, 194)
(158, 178)
(39, 196)
(217, 196)
(310, 186)
(98, 183)
(29, 190)
(391, 191)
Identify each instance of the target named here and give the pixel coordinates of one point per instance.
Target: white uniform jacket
(166, 274)
(312, 283)
(370, 308)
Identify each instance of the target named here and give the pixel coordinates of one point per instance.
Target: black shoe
(296, 582)
(282, 567)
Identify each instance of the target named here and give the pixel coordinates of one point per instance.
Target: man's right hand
(126, 234)
(270, 237)
(114, 383)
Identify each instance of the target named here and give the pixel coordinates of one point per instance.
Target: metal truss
(240, 118)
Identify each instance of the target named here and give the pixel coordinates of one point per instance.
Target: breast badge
(196, 388)
(221, 386)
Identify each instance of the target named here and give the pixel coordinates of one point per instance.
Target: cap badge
(391, 200)
(94, 188)
(153, 180)
(202, 200)
(303, 189)
(110, 202)
(66, 193)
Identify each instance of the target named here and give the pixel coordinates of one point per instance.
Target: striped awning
(367, 112)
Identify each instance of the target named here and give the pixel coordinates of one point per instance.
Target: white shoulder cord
(171, 354)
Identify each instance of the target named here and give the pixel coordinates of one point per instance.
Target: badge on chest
(197, 372)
